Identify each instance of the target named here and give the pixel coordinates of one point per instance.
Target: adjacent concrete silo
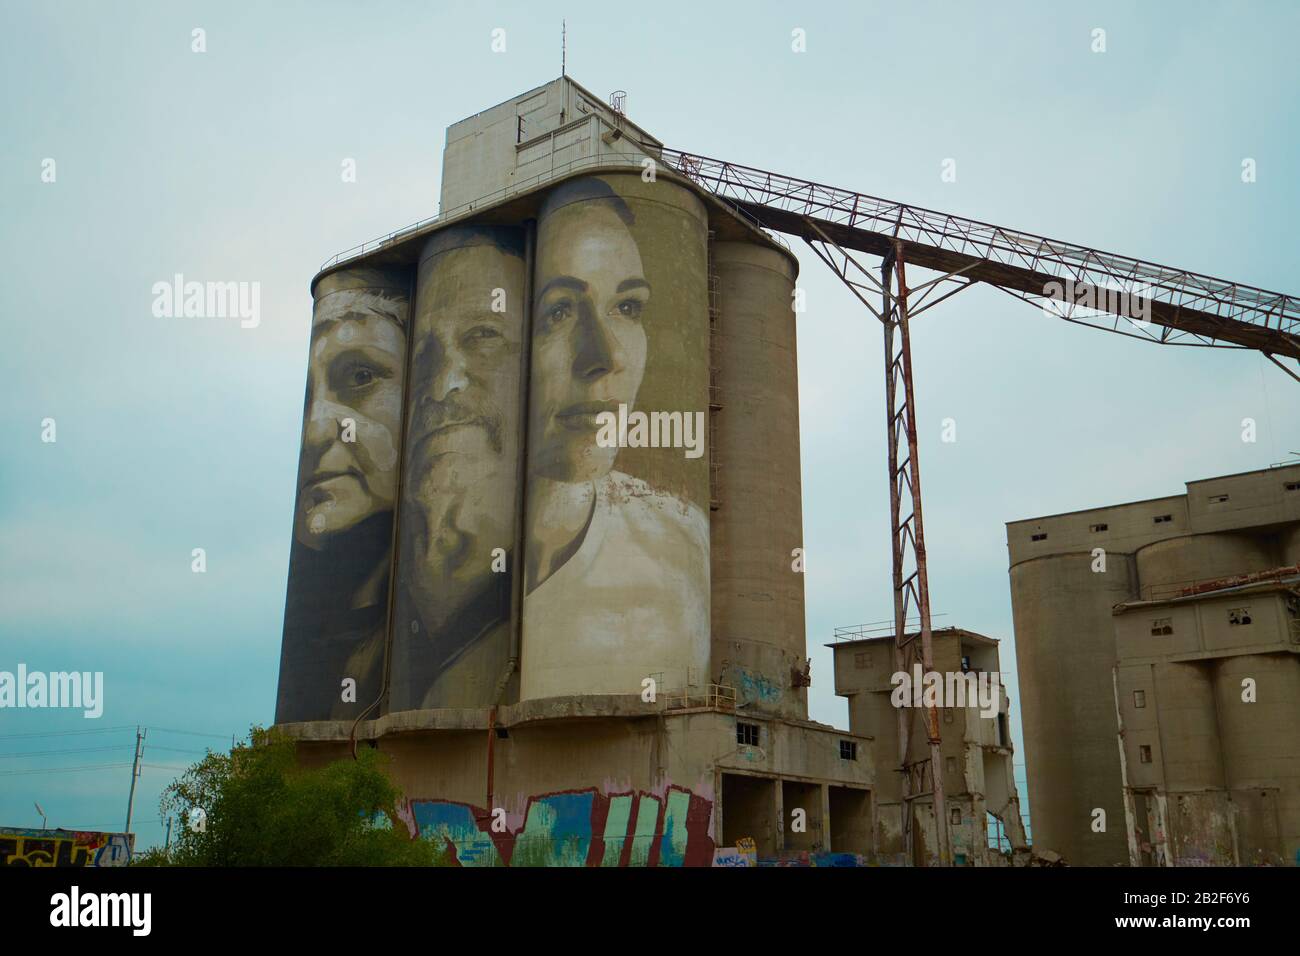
(453, 627)
(1065, 650)
(1291, 546)
(1190, 732)
(336, 608)
(1259, 721)
(1179, 565)
(757, 527)
(616, 558)
(1163, 565)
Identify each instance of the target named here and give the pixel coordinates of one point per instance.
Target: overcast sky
(175, 434)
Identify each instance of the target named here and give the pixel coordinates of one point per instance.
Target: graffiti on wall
(576, 828)
(753, 688)
(63, 848)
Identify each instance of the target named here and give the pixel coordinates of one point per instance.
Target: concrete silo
(336, 607)
(552, 695)
(453, 640)
(757, 528)
(617, 539)
(1064, 654)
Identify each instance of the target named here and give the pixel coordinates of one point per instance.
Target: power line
(188, 733)
(67, 733)
(101, 766)
(46, 753)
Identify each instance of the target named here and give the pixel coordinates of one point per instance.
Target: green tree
(256, 807)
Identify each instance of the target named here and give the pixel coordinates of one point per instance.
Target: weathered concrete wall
(617, 791)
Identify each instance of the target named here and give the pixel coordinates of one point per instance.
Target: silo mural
(336, 607)
(552, 531)
(456, 561)
(616, 560)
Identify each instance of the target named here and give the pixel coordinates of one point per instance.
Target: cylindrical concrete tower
(757, 539)
(616, 561)
(1189, 732)
(1258, 731)
(336, 608)
(460, 490)
(1065, 652)
(1199, 557)
(1291, 546)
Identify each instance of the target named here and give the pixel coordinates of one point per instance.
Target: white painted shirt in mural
(632, 602)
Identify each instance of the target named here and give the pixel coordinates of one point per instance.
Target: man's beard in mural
(435, 420)
(453, 523)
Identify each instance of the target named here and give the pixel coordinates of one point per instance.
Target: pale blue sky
(182, 433)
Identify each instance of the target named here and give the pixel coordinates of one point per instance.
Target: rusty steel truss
(1100, 289)
(1141, 299)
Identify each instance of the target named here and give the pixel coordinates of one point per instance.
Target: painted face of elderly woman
(354, 411)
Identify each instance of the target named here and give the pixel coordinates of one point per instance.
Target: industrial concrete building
(636, 693)
(1143, 603)
(976, 749)
(1207, 688)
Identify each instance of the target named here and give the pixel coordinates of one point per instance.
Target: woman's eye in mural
(356, 376)
(630, 308)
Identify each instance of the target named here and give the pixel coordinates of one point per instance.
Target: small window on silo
(1162, 625)
(1144, 753)
(955, 816)
(1162, 519)
(1094, 528)
(1239, 615)
(862, 661)
(1292, 486)
(1218, 499)
(747, 734)
(848, 750)
(947, 715)
(1139, 698)
(1039, 537)
(951, 764)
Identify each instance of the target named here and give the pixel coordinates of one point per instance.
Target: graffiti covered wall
(575, 828)
(19, 847)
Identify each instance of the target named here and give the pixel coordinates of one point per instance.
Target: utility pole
(135, 772)
(167, 843)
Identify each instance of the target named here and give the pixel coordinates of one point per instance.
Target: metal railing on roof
(633, 159)
(875, 629)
